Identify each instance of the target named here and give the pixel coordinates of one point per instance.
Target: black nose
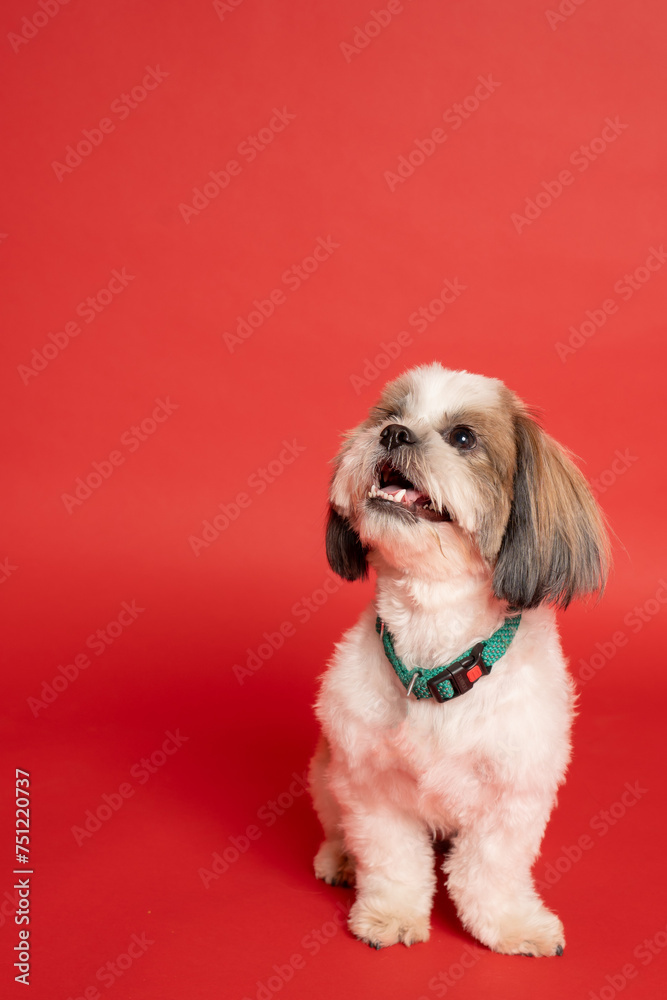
(394, 435)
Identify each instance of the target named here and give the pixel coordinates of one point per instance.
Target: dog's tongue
(411, 496)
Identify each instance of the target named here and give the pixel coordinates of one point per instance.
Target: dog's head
(449, 471)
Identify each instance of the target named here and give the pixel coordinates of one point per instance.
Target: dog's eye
(462, 438)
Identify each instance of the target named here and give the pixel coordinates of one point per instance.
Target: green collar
(457, 677)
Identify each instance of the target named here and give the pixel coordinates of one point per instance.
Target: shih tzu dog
(446, 710)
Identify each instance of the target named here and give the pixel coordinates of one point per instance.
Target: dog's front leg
(394, 875)
(332, 863)
(491, 885)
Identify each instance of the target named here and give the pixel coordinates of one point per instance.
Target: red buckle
(474, 673)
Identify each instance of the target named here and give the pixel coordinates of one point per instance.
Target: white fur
(392, 773)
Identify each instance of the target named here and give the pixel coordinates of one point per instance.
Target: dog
(446, 710)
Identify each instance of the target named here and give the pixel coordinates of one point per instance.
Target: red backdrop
(224, 226)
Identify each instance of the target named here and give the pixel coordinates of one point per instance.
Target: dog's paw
(379, 929)
(542, 935)
(333, 865)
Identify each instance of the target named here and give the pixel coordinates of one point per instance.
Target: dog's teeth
(399, 496)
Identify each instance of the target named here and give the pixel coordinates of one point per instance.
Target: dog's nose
(394, 435)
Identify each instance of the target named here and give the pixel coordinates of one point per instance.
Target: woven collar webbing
(416, 680)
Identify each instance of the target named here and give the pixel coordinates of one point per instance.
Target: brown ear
(555, 546)
(346, 554)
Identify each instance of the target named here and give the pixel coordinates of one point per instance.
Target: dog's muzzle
(392, 489)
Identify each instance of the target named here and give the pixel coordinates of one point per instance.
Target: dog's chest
(423, 765)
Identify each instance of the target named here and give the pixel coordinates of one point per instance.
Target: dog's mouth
(393, 489)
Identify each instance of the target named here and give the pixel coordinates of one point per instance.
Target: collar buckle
(461, 675)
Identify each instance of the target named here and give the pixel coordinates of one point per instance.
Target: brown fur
(494, 465)
(555, 547)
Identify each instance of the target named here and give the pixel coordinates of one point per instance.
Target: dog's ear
(555, 546)
(346, 554)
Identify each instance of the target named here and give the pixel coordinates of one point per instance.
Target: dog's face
(450, 472)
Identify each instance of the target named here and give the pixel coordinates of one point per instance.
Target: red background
(67, 573)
